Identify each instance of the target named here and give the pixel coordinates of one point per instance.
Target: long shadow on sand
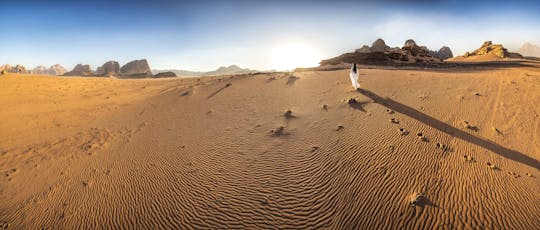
(428, 120)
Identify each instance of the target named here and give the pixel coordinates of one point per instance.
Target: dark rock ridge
(165, 74)
(443, 53)
(80, 70)
(381, 54)
(137, 69)
(108, 69)
(495, 49)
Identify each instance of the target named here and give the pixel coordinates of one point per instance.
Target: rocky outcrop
(443, 53)
(363, 49)
(108, 69)
(381, 54)
(137, 68)
(494, 49)
(40, 70)
(165, 74)
(80, 70)
(528, 49)
(13, 69)
(409, 43)
(379, 46)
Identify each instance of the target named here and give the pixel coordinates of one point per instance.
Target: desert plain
(454, 148)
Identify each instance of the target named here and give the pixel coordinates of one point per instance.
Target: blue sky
(203, 35)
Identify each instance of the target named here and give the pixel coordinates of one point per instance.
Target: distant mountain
(528, 49)
(53, 70)
(233, 69)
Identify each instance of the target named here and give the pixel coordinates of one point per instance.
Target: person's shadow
(450, 130)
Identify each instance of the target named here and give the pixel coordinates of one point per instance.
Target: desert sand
(419, 149)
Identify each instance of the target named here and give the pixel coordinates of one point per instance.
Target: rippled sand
(224, 152)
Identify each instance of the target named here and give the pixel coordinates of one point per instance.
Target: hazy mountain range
(528, 49)
(233, 69)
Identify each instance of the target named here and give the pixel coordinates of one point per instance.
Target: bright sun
(292, 55)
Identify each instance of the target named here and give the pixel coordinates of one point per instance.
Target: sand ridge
(417, 149)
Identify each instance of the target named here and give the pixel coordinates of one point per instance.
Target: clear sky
(203, 35)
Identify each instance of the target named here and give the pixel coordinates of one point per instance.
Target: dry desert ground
(419, 148)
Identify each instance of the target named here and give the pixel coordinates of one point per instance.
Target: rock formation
(108, 69)
(363, 49)
(80, 70)
(165, 74)
(57, 69)
(381, 54)
(528, 49)
(494, 49)
(379, 46)
(137, 68)
(40, 70)
(443, 53)
(53, 70)
(16, 69)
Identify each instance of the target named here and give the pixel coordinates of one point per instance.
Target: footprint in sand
(394, 120)
(492, 166)
(513, 174)
(314, 148)
(280, 131)
(421, 136)
(417, 199)
(288, 114)
(468, 158)
(404, 132)
(529, 175)
(325, 107)
(340, 127)
(468, 125)
(389, 111)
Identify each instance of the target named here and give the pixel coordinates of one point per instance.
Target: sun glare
(293, 55)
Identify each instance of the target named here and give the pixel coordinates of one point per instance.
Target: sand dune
(414, 149)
